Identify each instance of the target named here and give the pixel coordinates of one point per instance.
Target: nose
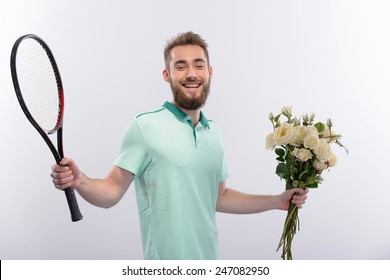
(191, 73)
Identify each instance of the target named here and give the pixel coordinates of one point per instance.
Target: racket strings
(38, 84)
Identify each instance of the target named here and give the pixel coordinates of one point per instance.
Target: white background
(327, 57)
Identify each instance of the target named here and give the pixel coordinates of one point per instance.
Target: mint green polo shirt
(177, 170)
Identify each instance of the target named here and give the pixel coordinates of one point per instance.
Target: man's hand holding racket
(66, 174)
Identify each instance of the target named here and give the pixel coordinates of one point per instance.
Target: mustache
(192, 79)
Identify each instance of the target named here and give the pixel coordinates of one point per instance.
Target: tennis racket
(39, 90)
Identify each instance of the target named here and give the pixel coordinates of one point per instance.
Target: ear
(211, 71)
(165, 74)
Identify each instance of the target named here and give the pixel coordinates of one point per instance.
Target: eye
(180, 67)
(199, 65)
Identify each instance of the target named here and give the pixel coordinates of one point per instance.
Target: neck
(194, 114)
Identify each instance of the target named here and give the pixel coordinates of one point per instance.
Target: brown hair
(188, 38)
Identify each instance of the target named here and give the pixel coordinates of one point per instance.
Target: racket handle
(73, 205)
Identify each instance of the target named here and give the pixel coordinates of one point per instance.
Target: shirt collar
(182, 115)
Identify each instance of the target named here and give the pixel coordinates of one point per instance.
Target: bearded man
(176, 158)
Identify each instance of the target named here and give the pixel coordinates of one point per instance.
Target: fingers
(66, 161)
(299, 197)
(300, 191)
(56, 168)
(62, 176)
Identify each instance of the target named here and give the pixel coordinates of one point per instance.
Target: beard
(194, 102)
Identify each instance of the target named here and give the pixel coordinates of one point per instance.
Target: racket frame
(58, 152)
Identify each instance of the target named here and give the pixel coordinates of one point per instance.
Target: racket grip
(73, 205)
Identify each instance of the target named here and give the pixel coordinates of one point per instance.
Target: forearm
(98, 192)
(235, 202)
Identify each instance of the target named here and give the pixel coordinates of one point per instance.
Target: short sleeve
(133, 155)
(224, 171)
(224, 174)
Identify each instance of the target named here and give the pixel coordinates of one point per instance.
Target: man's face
(189, 76)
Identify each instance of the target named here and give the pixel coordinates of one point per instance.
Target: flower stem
(291, 225)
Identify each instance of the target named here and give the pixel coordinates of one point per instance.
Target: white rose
(330, 135)
(319, 165)
(284, 134)
(269, 141)
(311, 141)
(323, 151)
(326, 132)
(299, 135)
(311, 130)
(302, 154)
(332, 160)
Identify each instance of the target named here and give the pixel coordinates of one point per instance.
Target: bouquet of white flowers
(303, 150)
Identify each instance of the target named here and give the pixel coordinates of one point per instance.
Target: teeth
(192, 85)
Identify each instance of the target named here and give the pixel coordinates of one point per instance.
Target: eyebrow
(195, 60)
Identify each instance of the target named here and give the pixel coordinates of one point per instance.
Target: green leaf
(280, 152)
(281, 159)
(319, 178)
(282, 170)
(342, 146)
(320, 127)
(312, 186)
(289, 162)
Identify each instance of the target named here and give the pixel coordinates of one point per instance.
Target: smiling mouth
(191, 85)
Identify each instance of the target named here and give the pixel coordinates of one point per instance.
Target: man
(176, 157)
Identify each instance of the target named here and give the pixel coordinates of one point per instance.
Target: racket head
(39, 90)
(37, 83)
